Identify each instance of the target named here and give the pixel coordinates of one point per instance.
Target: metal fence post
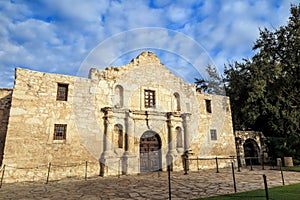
(217, 165)
(169, 180)
(185, 165)
(2, 176)
(281, 174)
(49, 167)
(262, 162)
(119, 165)
(233, 176)
(86, 165)
(239, 163)
(266, 187)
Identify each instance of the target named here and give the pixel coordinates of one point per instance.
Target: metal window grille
(149, 98)
(60, 131)
(213, 134)
(62, 92)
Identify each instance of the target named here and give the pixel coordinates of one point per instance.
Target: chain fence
(50, 169)
(47, 171)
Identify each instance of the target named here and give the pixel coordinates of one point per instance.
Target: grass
(294, 168)
(289, 192)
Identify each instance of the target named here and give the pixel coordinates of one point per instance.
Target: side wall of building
(5, 102)
(216, 120)
(30, 146)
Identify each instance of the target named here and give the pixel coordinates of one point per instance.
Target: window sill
(59, 141)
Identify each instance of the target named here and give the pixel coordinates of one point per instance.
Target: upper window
(62, 92)
(213, 134)
(149, 98)
(208, 105)
(60, 131)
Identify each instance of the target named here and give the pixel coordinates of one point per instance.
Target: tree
(264, 90)
(214, 85)
(201, 85)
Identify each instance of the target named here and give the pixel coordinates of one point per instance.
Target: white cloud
(56, 36)
(178, 14)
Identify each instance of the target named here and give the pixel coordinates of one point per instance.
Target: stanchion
(2, 176)
(233, 176)
(251, 164)
(86, 165)
(49, 167)
(281, 174)
(119, 165)
(262, 162)
(185, 166)
(217, 165)
(169, 178)
(239, 163)
(266, 187)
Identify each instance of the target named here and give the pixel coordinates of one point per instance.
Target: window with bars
(213, 134)
(149, 98)
(208, 105)
(60, 131)
(62, 92)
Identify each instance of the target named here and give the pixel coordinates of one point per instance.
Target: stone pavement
(149, 185)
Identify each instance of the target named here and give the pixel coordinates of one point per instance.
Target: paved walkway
(148, 185)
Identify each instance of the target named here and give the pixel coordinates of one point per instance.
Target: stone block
(288, 162)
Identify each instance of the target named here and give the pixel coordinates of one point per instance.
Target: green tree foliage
(264, 90)
(214, 85)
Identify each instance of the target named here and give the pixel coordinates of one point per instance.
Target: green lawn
(295, 168)
(289, 192)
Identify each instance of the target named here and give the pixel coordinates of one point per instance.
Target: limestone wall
(146, 72)
(203, 146)
(5, 102)
(95, 106)
(34, 111)
(259, 143)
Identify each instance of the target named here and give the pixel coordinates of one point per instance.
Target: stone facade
(251, 145)
(5, 102)
(119, 120)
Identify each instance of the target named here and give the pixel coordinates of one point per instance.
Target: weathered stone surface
(288, 161)
(259, 148)
(5, 103)
(96, 106)
(195, 185)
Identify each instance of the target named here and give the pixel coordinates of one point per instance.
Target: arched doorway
(251, 151)
(150, 152)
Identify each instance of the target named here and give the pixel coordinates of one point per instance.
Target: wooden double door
(150, 152)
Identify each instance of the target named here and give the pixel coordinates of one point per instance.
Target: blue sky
(56, 36)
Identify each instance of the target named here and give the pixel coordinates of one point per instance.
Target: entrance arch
(251, 149)
(150, 152)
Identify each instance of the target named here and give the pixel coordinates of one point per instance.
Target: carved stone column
(172, 153)
(129, 158)
(107, 146)
(130, 133)
(108, 131)
(187, 138)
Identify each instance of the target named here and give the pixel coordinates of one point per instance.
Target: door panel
(150, 158)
